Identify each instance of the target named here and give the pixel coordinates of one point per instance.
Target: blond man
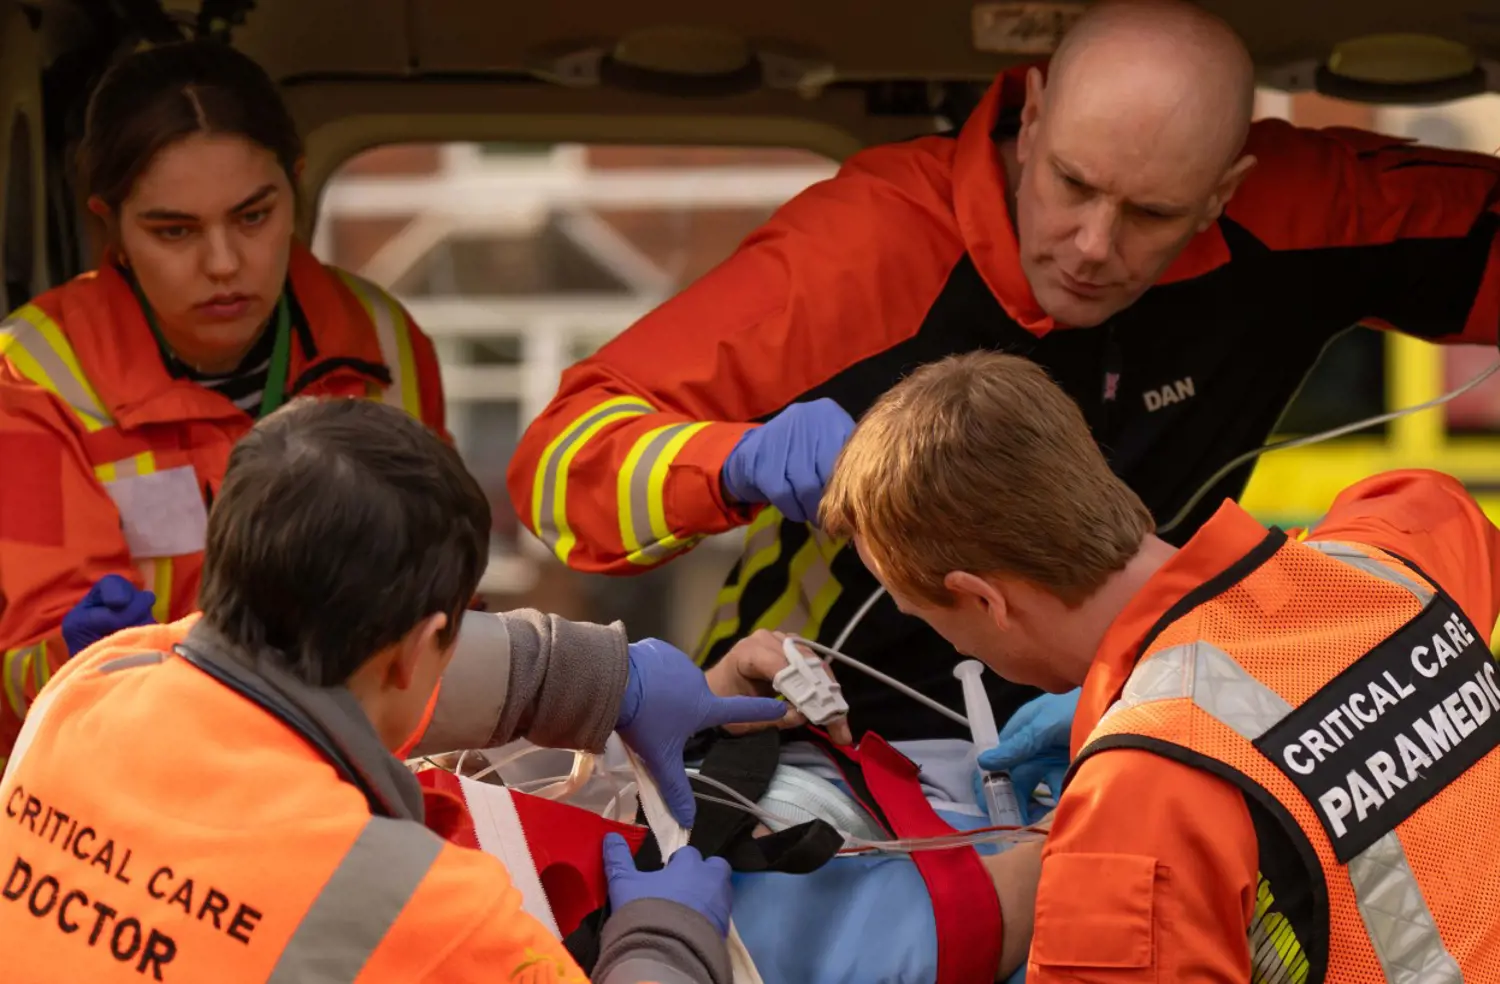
(1283, 755)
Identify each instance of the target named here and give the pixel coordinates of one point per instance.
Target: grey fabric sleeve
(524, 674)
(472, 697)
(566, 681)
(661, 942)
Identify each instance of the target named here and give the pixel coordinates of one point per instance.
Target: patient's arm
(1015, 874)
(526, 674)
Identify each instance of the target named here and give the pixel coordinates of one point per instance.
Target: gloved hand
(788, 460)
(1033, 748)
(667, 701)
(112, 604)
(688, 879)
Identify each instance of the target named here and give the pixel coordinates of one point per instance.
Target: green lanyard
(281, 350)
(281, 357)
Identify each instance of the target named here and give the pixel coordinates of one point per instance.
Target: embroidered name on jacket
(1391, 731)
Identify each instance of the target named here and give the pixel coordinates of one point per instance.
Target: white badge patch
(162, 513)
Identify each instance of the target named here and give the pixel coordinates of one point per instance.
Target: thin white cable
(889, 681)
(905, 845)
(1340, 431)
(858, 617)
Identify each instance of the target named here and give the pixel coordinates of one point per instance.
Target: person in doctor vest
(1284, 757)
(123, 390)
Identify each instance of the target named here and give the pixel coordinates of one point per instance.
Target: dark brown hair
(340, 526)
(981, 463)
(157, 96)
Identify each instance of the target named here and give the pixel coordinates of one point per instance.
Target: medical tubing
(859, 615)
(905, 845)
(891, 682)
(1340, 431)
(497, 764)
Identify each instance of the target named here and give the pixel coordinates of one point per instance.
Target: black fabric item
(746, 764)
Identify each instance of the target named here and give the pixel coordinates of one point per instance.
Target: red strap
(969, 922)
(566, 843)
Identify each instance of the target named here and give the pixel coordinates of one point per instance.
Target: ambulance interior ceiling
(829, 75)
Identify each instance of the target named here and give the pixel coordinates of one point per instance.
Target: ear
(1031, 113)
(1228, 185)
(298, 168)
(979, 593)
(420, 644)
(100, 208)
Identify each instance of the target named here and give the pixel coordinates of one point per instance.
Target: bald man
(1114, 217)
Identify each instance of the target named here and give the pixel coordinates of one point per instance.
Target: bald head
(1164, 64)
(1130, 148)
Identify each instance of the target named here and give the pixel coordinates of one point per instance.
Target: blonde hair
(981, 463)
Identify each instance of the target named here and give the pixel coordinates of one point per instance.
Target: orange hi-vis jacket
(1288, 766)
(111, 463)
(909, 255)
(211, 841)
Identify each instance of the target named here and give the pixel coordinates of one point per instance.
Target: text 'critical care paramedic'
(1387, 734)
(71, 854)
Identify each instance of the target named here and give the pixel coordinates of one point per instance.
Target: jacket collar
(988, 229)
(328, 718)
(118, 353)
(1228, 536)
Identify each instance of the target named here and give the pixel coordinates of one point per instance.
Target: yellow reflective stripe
(811, 589)
(410, 397)
(140, 464)
(49, 361)
(549, 489)
(641, 495)
(393, 332)
(15, 666)
(1276, 955)
(157, 573)
(762, 548)
(41, 668)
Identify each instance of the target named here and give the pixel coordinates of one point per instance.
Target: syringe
(999, 793)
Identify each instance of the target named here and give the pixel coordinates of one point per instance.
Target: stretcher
(825, 892)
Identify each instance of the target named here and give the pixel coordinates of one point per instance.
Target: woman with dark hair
(122, 391)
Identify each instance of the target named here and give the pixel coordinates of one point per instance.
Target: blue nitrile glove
(688, 879)
(1033, 748)
(666, 702)
(788, 460)
(112, 604)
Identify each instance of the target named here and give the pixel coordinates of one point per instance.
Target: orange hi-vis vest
(112, 463)
(1358, 708)
(156, 825)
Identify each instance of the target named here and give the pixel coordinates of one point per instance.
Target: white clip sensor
(811, 690)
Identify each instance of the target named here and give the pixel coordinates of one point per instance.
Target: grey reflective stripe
(358, 905)
(816, 574)
(652, 547)
(26, 335)
(553, 465)
(130, 662)
(1396, 916)
(1212, 679)
(1355, 558)
(126, 468)
(1401, 928)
